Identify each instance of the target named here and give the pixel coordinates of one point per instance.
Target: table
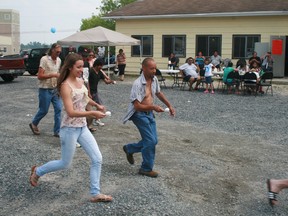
(220, 73)
(173, 73)
(110, 66)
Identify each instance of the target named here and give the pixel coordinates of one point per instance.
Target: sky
(37, 17)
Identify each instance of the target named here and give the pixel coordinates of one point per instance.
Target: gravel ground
(213, 157)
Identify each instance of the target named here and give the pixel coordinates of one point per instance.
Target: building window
(146, 45)
(207, 44)
(243, 45)
(7, 17)
(175, 44)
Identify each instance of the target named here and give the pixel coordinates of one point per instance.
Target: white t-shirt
(189, 70)
(242, 71)
(85, 74)
(208, 70)
(101, 51)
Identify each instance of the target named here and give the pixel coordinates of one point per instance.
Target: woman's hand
(101, 108)
(97, 114)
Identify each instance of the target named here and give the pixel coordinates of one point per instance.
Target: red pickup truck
(11, 66)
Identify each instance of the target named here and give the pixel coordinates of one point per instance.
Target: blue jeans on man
(145, 122)
(47, 96)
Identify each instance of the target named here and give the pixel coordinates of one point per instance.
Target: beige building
(9, 32)
(185, 27)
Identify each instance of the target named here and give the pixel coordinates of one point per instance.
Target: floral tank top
(80, 99)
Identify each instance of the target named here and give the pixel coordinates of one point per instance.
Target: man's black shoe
(130, 157)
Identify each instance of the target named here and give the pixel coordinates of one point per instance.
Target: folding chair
(183, 82)
(176, 63)
(160, 78)
(235, 80)
(266, 80)
(250, 82)
(202, 77)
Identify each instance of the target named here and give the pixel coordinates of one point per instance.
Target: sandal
(34, 129)
(272, 196)
(101, 198)
(92, 129)
(33, 177)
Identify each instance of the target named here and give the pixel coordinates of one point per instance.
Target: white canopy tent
(99, 36)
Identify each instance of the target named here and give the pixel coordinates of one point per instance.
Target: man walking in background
(47, 75)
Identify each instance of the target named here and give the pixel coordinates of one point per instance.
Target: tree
(106, 7)
(111, 5)
(32, 45)
(95, 21)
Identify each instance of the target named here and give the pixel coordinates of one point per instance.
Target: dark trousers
(121, 69)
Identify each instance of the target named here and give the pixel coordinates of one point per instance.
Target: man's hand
(158, 108)
(172, 111)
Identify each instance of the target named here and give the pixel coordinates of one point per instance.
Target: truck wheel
(7, 78)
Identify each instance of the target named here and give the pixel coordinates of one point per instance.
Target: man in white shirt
(190, 72)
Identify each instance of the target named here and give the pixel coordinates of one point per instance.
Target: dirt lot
(208, 166)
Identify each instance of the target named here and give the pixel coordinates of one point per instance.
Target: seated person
(216, 60)
(255, 58)
(242, 66)
(267, 62)
(190, 72)
(229, 69)
(172, 61)
(256, 69)
(199, 60)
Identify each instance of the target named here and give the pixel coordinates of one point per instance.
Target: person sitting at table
(227, 70)
(256, 69)
(267, 62)
(199, 60)
(216, 60)
(190, 72)
(172, 61)
(242, 66)
(255, 58)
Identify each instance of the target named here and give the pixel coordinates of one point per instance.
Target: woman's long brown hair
(69, 62)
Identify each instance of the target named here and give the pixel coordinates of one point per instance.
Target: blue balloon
(53, 30)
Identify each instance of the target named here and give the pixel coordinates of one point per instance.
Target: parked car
(33, 60)
(11, 66)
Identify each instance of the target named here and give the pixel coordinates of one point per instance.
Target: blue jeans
(69, 136)
(145, 122)
(46, 96)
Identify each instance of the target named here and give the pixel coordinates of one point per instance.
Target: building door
(286, 58)
(279, 53)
